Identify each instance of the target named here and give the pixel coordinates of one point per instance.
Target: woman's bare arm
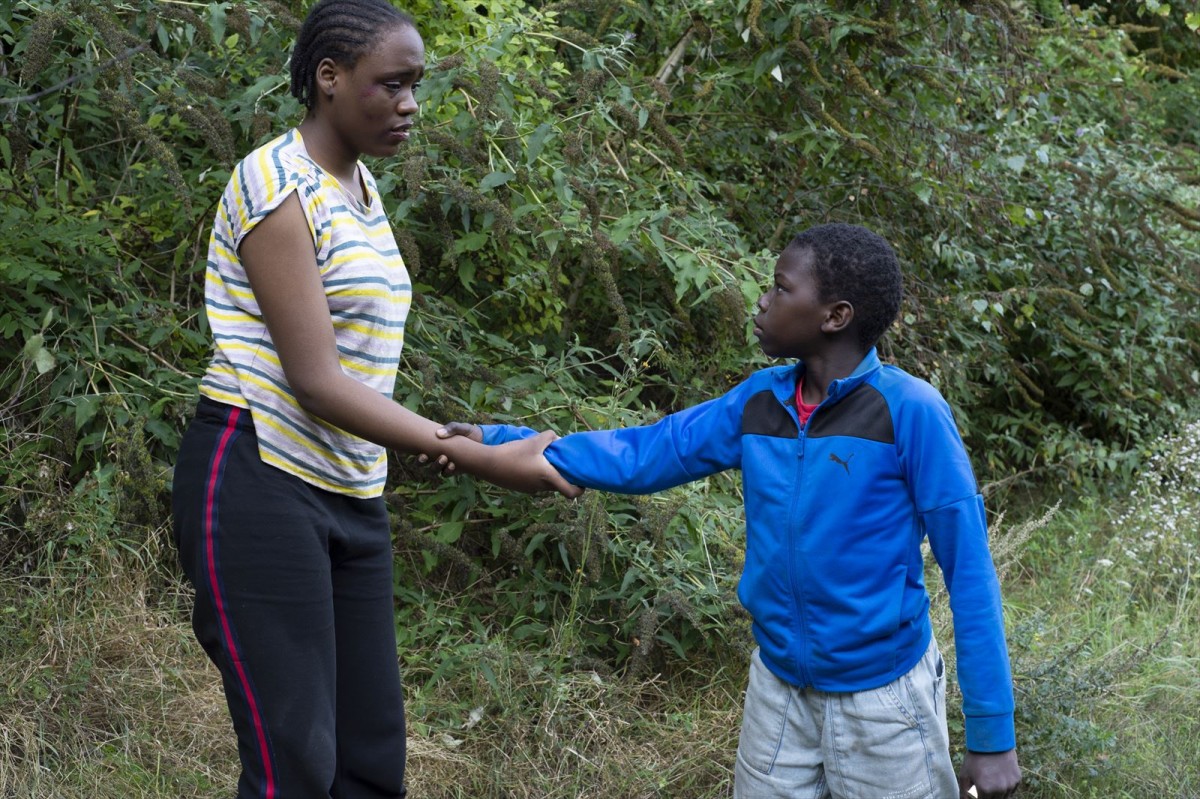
(282, 269)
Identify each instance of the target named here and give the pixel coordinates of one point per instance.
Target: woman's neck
(329, 153)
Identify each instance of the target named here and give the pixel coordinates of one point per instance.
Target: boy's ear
(838, 317)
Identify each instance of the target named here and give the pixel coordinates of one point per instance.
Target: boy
(847, 465)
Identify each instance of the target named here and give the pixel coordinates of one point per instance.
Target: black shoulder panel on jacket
(764, 416)
(863, 413)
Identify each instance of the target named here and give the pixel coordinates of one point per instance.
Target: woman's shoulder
(281, 162)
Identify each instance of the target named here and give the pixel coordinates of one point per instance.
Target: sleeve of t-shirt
(261, 182)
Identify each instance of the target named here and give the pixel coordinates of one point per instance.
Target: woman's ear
(326, 77)
(838, 317)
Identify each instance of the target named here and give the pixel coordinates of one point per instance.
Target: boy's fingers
(451, 429)
(568, 490)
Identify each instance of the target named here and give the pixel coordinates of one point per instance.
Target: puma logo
(843, 463)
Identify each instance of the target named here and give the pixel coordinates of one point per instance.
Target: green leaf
(449, 532)
(34, 345)
(470, 242)
(216, 21)
(495, 179)
(44, 361)
(537, 141)
(1015, 162)
(85, 409)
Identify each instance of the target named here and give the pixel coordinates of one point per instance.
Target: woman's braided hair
(340, 30)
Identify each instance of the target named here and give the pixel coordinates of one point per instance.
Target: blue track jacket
(835, 515)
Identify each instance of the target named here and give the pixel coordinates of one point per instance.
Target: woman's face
(371, 104)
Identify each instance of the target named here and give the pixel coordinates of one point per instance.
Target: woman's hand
(519, 465)
(522, 466)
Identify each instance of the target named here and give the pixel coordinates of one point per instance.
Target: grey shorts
(887, 743)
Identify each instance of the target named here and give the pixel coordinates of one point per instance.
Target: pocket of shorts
(882, 750)
(764, 716)
(896, 695)
(939, 685)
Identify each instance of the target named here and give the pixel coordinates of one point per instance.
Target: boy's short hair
(854, 264)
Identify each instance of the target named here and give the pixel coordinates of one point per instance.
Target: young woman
(278, 512)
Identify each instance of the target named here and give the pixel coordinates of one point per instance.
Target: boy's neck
(821, 370)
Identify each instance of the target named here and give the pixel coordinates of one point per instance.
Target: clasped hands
(523, 463)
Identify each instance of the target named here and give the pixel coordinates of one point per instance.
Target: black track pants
(294, 606)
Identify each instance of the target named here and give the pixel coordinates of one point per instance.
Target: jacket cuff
(503, 433)
(991, 733)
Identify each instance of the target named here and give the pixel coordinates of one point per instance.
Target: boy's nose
(763, 301)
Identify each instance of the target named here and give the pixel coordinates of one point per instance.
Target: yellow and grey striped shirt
(368, 290)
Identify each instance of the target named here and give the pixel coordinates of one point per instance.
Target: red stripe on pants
(210, 504)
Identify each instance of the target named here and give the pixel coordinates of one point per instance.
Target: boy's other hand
(471, 431)
(995, 775)
(443, 464)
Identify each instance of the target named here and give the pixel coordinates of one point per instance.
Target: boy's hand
(471, 431)
(444, 464)
(995, 775)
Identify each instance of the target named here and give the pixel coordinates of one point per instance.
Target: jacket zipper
(801, 656)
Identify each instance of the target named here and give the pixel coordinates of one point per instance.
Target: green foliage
(1155, 552)
(581, 178)
(588, 211)
(115, 120)
(1056, 688)
(604, 580)
(1102, 638)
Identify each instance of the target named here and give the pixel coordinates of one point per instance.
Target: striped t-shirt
(368, 290)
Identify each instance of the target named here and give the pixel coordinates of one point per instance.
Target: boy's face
(791, 315)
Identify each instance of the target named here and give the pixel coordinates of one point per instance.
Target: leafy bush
(589, 213)
(1155, 552)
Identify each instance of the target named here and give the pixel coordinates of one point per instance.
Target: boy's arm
(684, 446)
(951, 512)
(498, 433)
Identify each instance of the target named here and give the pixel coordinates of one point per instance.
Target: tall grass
(104, 695)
